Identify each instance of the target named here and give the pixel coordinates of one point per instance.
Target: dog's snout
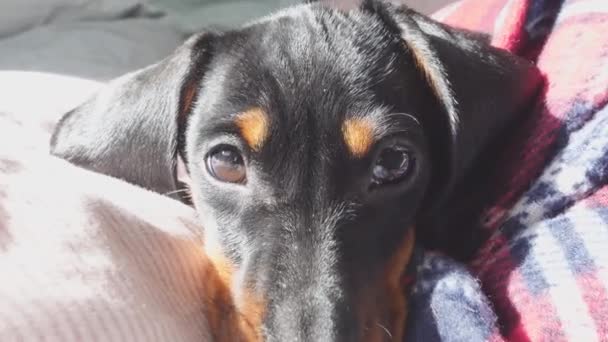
(307, 309)
(309, 300)
(306, 316)
(323, 287)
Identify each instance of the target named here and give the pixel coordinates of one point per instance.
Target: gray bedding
(102, 39)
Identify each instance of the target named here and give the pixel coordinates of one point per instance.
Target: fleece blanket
(541, 273)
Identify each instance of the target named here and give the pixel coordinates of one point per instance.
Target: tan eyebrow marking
(253, 125)
(358, 135)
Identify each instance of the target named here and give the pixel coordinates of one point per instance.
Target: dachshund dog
(314, 143)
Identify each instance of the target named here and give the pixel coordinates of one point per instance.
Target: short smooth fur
(313, 247)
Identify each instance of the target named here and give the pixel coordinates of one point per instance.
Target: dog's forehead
(311, 48)
(309, 45)
(308, 67)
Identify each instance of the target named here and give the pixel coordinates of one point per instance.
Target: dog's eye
(392, 165)
(226, 164)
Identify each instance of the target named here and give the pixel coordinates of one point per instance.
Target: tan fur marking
(386, 313)
(358, 135)
(253, 125)
(399, 304)
(188, 98)
(228, 320)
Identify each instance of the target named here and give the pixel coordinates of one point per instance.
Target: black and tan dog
(314, 141)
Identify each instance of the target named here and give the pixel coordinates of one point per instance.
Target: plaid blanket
(542, 271)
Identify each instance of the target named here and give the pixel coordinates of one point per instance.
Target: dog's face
(309, 163)
(314, 141)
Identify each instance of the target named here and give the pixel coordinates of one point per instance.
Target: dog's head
(314, 140)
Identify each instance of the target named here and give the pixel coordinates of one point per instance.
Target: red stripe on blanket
(575, 57)
(532, 318)
(595, 296)
(522, 315)
(490, 254)
(511, 35)
(496, 278)
(476, 15)
(599, 198)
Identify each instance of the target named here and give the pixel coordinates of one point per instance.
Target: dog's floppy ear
(480, 89)
(133, 128)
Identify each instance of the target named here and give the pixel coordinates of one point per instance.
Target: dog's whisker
(178, 191)
(399, 114)
(388, 333)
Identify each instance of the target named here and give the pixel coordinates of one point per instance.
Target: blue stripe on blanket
(578, 258)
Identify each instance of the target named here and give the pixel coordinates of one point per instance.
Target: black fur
(306, 231)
